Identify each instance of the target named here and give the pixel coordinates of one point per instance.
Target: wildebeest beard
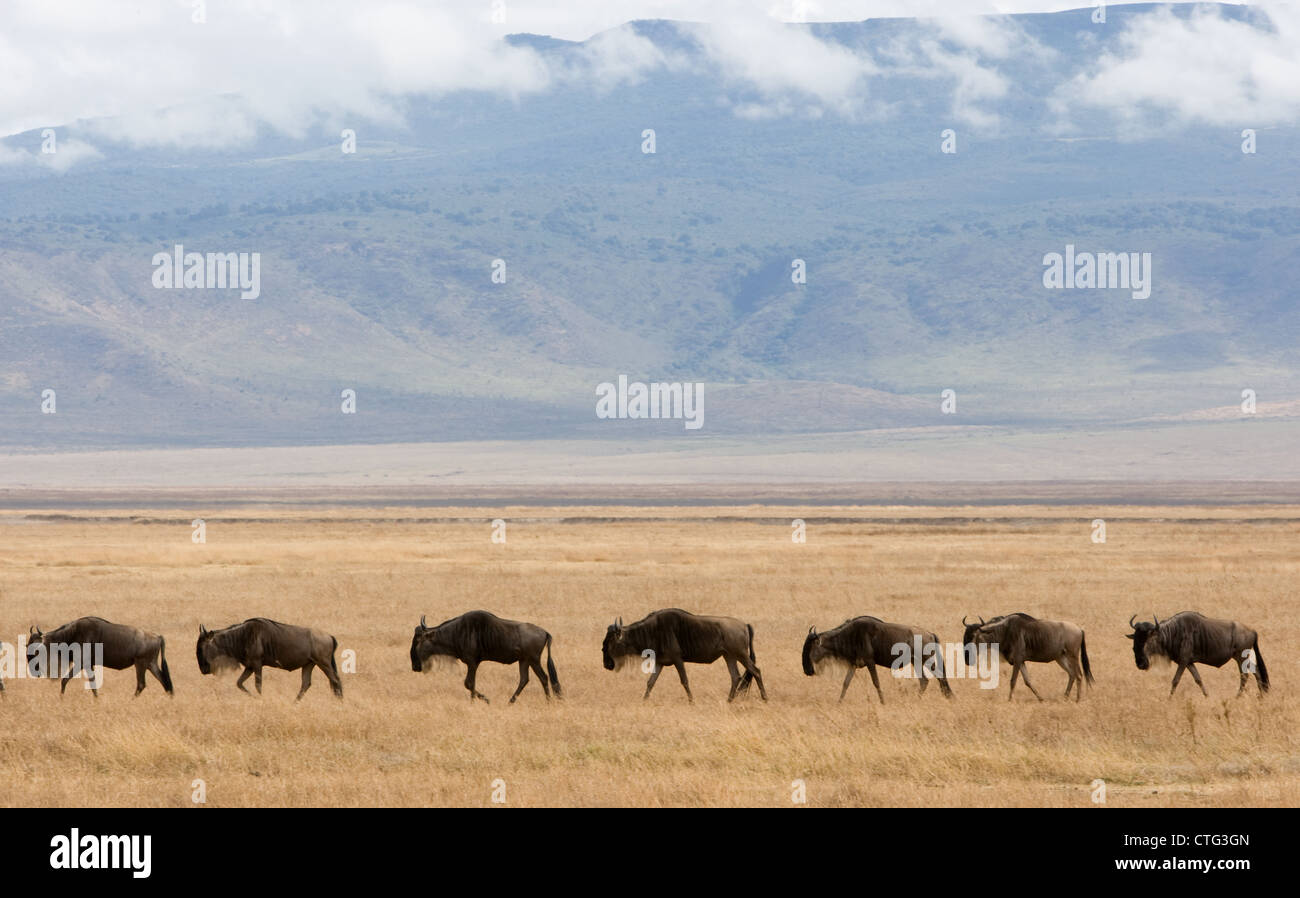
(827, 662)
(830, 663)
(625, 663)
(437, 661)
(222, 664)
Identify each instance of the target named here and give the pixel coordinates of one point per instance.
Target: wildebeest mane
(846, 641)
(697, 637)
(1171, 632)
(236, 641)
(487, 631)
(230, 645)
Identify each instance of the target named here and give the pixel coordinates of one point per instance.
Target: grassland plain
(401, 738)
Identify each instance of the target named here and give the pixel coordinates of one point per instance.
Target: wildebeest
(1190, 638)
(258, 643)
(676, 637)
(870, 642)
(478, 636)
(1021, 638)
(119, 646)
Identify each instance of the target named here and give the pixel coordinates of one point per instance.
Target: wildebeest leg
(541, 676)
(471, 674)
(1241, 669)
(523, 680)
(1015, 674)
(248, 672)
(257, 679)
(875, 681)
(848, 678)
(1178, 675)
(1024, 675)
(306, 679)
(752, 669)
(735, 677)
(650, 683)
(1197, 677)
(64, 684)
(140, 667)
(681, 673)
(1069, 669)
(156, 669)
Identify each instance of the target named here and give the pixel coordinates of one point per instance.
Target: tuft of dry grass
(401, 738)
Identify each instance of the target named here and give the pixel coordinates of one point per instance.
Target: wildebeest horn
(422, 620)
(1156, 618)
(963, 621)
(620, 622)
(1130, 621)
(981, 620)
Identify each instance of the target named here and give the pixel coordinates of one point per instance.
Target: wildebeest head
(432, 646)
(211, 656)
(416, 664)
(202, 649)
(614, 648)
(424, 645)
(1141, 636)
(969, 631)
(813, 652)
(35, 657)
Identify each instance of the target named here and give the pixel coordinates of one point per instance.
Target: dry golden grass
(399, 738)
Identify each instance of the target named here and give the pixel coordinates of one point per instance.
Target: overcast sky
(296, 64)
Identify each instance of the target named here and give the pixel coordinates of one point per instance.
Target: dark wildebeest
(1190, 638)
(122, 646)
(675, 637)
(478, 636)
(870, 642)
(258, 643)
(1020, 638)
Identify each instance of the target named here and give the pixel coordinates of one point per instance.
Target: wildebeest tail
(1083, 654)
(550, 668)
(748, 677)
(162, 664)
(1261, 672)
(334, 666)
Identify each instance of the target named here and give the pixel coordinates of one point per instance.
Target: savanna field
(402, 738)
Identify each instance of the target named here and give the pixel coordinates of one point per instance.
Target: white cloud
(788, 67)
(68, 152)
(147, 75)
(1203, 69)
(618, 57)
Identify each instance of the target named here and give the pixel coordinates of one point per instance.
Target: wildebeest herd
(666, 638)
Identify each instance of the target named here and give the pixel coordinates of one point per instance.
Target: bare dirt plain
(401, 738)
